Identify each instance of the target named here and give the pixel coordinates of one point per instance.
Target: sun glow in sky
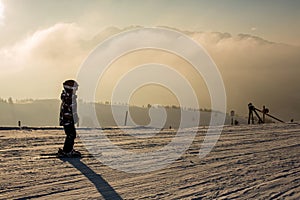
(1, 12)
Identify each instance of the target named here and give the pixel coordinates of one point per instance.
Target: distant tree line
(28, 100)
(9, 100)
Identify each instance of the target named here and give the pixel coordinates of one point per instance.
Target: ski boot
(71, 154)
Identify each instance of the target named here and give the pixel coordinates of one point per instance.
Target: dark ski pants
(70, 137)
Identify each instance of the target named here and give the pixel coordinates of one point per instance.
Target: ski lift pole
(266, 113)
(125, 123)
(274, 118)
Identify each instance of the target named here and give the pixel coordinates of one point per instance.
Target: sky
(255, 44)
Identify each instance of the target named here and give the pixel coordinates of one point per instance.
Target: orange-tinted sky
(255, 44)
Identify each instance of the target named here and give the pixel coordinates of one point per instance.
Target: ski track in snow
(248, 162)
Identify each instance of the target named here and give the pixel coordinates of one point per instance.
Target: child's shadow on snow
(102, 185)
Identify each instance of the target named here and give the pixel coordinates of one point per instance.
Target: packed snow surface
(248, 162)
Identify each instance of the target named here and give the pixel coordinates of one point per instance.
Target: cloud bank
(253, 68)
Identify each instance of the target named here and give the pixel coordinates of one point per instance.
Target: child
(68, 118)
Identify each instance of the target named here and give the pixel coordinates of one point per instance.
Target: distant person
(68, 118)
(236, 122)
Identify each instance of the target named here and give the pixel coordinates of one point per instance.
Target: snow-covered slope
(248, 162)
